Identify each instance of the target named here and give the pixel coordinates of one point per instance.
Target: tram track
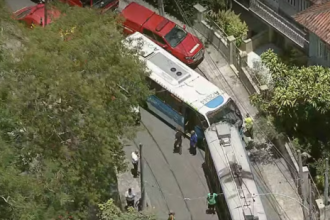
(171, 170)
(154, 176)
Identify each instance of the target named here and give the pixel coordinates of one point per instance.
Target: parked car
(104, 5)
(35, 15)
(170, 36)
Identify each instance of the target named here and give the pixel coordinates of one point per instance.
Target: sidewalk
(126, 179)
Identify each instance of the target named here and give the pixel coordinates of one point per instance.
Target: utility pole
(310, 199)
(143, 191)
(302, 184)
(326, 182)
(161, 7)
(44, 22)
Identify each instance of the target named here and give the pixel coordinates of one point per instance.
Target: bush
(171, 7)
(230, 23)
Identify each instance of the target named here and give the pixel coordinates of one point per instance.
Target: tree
(230, 23)
(299, 103)
(61, 113)
(109, 211)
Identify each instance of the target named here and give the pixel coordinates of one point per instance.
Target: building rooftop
(317, 20)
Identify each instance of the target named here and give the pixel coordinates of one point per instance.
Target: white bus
(182, 97)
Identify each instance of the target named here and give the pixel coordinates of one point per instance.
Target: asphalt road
(18, 4)
(173, 181)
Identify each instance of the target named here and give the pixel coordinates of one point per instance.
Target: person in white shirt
(130, 198)
(135, 162)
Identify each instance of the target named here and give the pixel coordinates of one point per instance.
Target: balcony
(280, 23)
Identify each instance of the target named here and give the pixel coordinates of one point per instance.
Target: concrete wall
(256, 41)
(227, 46)
(215, 37)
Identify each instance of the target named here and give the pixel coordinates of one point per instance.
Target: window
(176, 36)
(159, 39)
(23, 14)
(148, 33)
(323, 51)
(292, 2)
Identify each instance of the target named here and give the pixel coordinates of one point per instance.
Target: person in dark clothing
(178, 140)
(193, 142)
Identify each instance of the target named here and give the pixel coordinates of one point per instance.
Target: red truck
(104, 5)
(35, 15)
(170, 36)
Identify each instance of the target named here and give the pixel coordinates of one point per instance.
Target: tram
(230, 174)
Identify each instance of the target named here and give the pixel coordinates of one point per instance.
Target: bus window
(228, 113)
(174, 102)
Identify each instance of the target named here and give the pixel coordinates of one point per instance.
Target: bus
(182, 97)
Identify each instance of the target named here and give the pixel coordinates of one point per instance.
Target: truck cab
(167, 34)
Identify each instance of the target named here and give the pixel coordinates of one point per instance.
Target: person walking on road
(211, 202)
(178, 141)
(193, 142)
(249, 125)
(130, 198)
(135, 162)
(171, 215)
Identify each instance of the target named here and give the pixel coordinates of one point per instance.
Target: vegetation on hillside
(61, 113)
(230, 23)
(299, 104)
(184, 10)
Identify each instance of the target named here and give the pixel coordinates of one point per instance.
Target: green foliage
(187, 10)
(61, 113)
(293, 56)
(299, 103)
(230, 23)
(109, 211)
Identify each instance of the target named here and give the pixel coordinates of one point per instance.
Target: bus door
(166, 106)
(197, 122)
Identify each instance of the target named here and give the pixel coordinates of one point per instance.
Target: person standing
(178, 140)
(130, 198)
(171, 215)
(211, 202)
(135, 162)
(193, 142)
(249, 125)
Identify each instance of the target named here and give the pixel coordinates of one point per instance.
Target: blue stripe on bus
(215, 102)
(167, 110)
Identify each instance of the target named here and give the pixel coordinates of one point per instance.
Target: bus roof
(176, 77)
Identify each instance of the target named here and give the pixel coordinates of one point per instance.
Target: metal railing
(278, 22)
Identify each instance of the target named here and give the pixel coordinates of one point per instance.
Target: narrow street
(172, 181)
(176, 181)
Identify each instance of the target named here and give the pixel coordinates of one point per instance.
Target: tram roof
(176, 77)
(242, 199)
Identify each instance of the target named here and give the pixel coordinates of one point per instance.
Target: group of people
(178, 141)
(211, 197)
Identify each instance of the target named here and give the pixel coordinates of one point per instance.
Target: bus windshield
(228, 113)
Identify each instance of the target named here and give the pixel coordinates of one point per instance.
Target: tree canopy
(299, 103)
(230, 23)
(61, 113)
(111, 212)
